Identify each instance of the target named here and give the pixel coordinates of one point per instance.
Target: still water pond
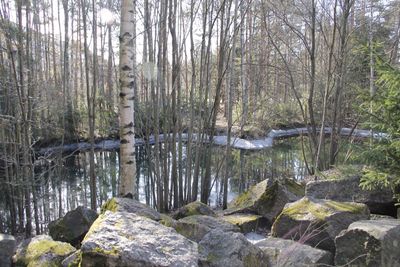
(64, 184)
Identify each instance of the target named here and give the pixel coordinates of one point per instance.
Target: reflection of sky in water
(70, 183)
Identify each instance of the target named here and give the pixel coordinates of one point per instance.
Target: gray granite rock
(193, 208)
(317, 222)
(7, 249)
(285, 253)
(197, 226)
(266, 198)
(219, 248)
(126, 239)
(369, 243)
(344, 187)
(73, 226)
(131, 206)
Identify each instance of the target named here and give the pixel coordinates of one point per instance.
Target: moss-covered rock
(118, 204)
(193, 208)
(197, 226)
(73, 226)
(267, 198)
(247, 222)
(126, 239)
(317, 222)
(43, 251)
(167, 221)
(219, 248)
(343, 184)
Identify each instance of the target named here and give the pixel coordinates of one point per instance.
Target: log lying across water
(220, 140)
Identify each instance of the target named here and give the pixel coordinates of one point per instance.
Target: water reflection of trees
(62, 184)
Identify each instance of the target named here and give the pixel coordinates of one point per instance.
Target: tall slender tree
(127, 96)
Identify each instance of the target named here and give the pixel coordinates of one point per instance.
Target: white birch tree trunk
(127, 96)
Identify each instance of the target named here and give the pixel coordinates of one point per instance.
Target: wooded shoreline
(219, 140)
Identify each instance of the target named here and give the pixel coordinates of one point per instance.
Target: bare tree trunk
(230, 91)
(90, 95)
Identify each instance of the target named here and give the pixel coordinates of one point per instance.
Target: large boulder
(42, 250)
(344, 185)
(219, 248)
(195, 227)
(369, 243)
(247, 222)
(73, 226)
(119, 204)
(7, 249)
(193, 208)
(317, 222)
(267, 198)
(126, 239)
(283, 252)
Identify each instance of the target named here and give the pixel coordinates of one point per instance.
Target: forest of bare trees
(201, 68)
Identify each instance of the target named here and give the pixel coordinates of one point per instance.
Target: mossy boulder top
(247, 222)
(369, 243)
(126, 239)
(193, 208)
(43, 251)
(73, 226)
(129, 205)
(195, 227)
(219, 248)
(317, 222)
(343, 184)
(267, 198)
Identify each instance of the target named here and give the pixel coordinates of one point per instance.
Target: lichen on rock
(267, 198)
(193, 208)
(42, 250)
(118, 204)
(317, 222)
(247, 222)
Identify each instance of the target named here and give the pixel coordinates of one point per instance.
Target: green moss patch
(35, 253)
(167, 221)
(321, 210)
(239, 219)
(294, 187)
(341, 172)
(248, 198)
(110, 205)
